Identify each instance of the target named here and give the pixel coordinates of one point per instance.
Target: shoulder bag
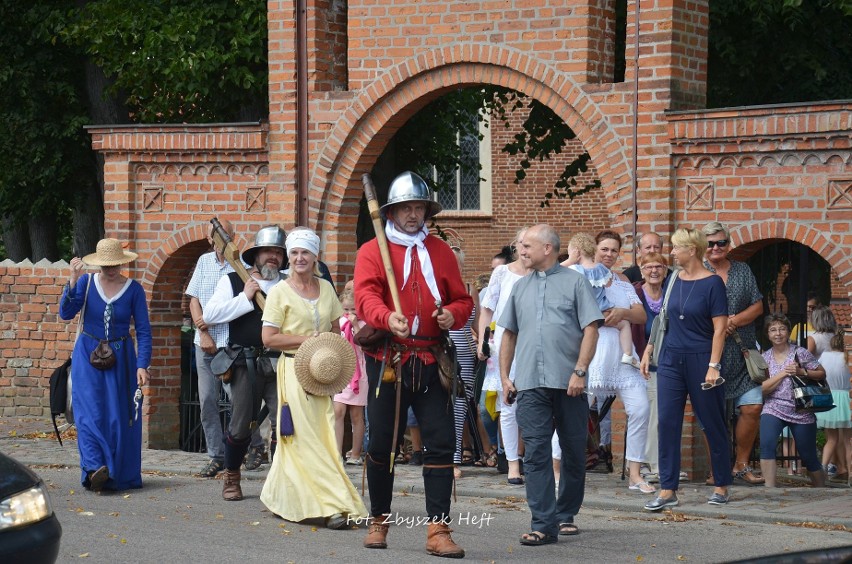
(60, 379)
(757, 368)
(811, 396)
(659, 325)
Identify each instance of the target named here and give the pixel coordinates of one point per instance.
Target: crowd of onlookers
(738, 410)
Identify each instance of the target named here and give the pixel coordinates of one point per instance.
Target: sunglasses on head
(721, 243)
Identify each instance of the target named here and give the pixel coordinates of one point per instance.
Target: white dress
(496, 296)
(606, 371)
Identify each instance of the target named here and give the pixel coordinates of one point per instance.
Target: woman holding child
(614, 367)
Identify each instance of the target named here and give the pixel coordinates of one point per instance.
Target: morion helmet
(409, 187)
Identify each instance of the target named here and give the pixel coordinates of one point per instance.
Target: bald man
(648, 243)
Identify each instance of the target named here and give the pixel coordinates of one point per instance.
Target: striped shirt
(207, 273)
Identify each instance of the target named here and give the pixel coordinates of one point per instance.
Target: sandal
(747, 476)
(643, 487)
(536, 538)
(467, 457)
(568, 529)
(491, 459)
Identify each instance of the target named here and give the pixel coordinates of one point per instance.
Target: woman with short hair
(608, 374)
(745, 304)
(689, 365)
(824, 328)
(786, 360)
(651, 290)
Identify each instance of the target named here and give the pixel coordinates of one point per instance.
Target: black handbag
(60, 398)
(811, 396)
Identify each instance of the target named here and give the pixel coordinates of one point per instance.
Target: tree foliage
(777, 51)
(44, 151)
(179, 61)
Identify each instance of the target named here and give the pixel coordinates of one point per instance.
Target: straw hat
(325, 364)
(109, 253)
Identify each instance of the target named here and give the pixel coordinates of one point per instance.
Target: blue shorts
(752, 397)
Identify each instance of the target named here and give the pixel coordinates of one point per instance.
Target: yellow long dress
(307, 479)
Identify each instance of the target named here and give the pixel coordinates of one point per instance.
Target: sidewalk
(31, 441)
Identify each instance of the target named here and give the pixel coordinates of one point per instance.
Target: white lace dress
(606, 371)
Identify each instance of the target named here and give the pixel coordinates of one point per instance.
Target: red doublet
(373, 300)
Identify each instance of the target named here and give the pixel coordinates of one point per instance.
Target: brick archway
(756, 231)
(370, 121)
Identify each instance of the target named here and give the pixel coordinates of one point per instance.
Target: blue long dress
(109, 431)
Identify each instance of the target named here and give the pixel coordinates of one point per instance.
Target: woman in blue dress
(107, 415)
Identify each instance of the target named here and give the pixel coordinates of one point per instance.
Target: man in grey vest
(253, 372)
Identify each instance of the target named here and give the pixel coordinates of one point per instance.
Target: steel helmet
(409, 187)
(269, 236)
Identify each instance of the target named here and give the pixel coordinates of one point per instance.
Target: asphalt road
(176, 519)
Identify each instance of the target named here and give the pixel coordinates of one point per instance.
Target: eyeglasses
(653, 267)
(721, 243)
(709, 386)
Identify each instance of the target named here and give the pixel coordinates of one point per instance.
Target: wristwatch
(715, 365)
(579, 373)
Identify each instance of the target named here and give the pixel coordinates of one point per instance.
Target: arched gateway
(779, 172)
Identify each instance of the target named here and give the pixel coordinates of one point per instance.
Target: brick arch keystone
(839, 260)
(411, 81)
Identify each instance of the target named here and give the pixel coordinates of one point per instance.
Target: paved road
(178, 519)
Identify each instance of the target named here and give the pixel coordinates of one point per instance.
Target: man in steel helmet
(426, 270)
(208, 340)
(253, 372)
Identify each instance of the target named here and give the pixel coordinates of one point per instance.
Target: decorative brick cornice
(181, 139)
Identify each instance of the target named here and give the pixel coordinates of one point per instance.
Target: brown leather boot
(377, 535)
(440, 543)
(231, 490)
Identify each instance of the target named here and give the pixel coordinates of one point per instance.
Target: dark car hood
(14, 477)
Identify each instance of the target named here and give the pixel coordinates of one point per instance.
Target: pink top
(780, 402)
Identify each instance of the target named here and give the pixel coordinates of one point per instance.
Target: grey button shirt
(548, 311)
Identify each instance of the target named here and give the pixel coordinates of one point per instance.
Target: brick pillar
(281, 22)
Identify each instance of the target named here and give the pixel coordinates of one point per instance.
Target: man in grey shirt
(551, 322)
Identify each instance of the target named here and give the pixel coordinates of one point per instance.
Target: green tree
(179, 61)
(45, 160)
(777, 51)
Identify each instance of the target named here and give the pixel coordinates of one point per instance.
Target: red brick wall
(772, 173)
(34, 338)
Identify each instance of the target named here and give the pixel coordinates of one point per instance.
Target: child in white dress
(581, 257)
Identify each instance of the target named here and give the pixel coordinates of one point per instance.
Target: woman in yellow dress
(307, 479)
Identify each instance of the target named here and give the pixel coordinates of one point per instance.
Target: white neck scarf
(410, 241)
